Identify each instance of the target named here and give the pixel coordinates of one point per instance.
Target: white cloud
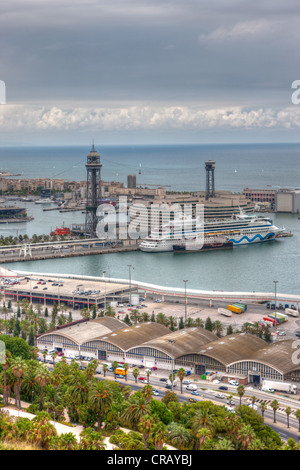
(14, 118)
(253, 29)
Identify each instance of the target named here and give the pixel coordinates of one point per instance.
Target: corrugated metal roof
(187, 341)
(136, 335)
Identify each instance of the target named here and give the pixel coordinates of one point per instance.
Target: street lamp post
(275, 284)
(185, 300)
(104, 275)
(129, 267)
(172, 341)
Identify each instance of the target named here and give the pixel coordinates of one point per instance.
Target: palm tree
(224, 444)
(18, 368)
(55, 380)
(135, 373)
(135, 411)
(240, 391)
(203, 434)
(200, 420)
(178, 435)
(104, 368)
(148, 372)
(78, 387)
(181, 374)
(42, 377)
(247, 435)
(5, 366)
(100, 399)
(114, 366)
(218, 328)
(288, 411)
(274, 405)
(159, 435)
(144, 427)
(147, 392)
(263, 407)
(297, 414)
(126, 367)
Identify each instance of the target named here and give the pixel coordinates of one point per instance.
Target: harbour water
(244, 268)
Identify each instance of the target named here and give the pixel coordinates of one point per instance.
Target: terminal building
(242, 356)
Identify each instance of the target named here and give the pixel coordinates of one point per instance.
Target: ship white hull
(238, 239)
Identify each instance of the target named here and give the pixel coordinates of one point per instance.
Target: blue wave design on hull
(251, 240)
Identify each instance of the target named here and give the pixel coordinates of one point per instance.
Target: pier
(63, 249)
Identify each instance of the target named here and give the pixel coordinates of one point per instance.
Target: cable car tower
(210, 179)
(93, 192)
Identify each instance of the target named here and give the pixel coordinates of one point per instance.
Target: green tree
(18, 368)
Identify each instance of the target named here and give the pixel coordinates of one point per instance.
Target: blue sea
(179, 168)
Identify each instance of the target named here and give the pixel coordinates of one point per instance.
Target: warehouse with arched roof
(114, 346)
(278, 361)
(163, 351)
(69, 338)
(218, 354)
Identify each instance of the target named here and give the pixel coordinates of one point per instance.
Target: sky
(149, 71)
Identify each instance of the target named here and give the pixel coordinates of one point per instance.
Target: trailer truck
(234, 309)
(270, 385)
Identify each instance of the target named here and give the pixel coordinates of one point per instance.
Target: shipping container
(234, 309)
(242, 306)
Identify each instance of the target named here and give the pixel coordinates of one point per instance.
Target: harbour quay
(86, 291)
(73, 292)
(63, 249)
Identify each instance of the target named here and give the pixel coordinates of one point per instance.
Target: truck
(169, 383)
(225, 312)
(234, 309)
(270, 322)
(120, 371)
(242, 306)
(271, 319)
(292, 312)
(271, 385)
(279, 317)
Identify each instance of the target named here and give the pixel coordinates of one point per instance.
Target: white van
(191, 387)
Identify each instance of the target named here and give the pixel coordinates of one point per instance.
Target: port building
(243, 356)
(288, 200)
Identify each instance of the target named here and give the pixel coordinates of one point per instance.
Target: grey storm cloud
(190, 55)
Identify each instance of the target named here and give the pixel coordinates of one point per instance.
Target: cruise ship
(241, 229)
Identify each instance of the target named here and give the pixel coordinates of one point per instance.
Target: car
(230, 409)
(156, 393)
(141, 367)
(223, 387)
(120, 376)
(163, 379)
(35, 287)
(142, 378)
(233, 382)
(44, 288)
(186, 381)
(153, 368)
(230, 402)
(281, 333)
(194, 392)
(220, 395)
(60, 353)
(191, 387)
(216, 381)
(192, 400)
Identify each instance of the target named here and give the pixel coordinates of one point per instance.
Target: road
(207, 391)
